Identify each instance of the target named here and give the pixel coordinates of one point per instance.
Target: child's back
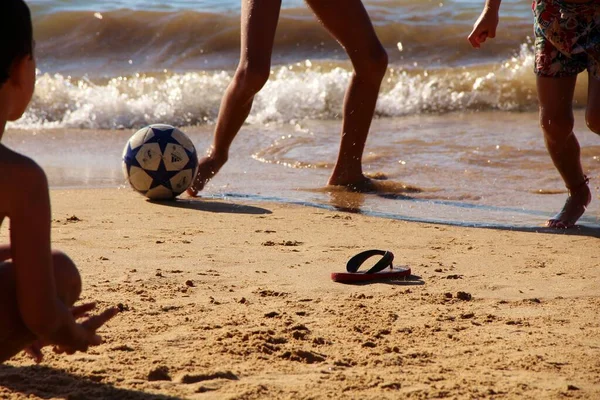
(19, 176)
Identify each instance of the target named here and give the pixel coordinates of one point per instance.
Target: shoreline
(233, 299)
(489, 181)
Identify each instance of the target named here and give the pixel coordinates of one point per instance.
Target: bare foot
(574, 208)
(375, 185)
(362, 185)
(207, 168)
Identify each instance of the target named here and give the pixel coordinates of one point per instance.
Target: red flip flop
(377, 272)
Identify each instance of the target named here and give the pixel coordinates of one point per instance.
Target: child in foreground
(567, 42)
(349, 23)
(38, 286)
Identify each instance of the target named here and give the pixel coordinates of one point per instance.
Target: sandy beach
(230, 296)
(233, 300)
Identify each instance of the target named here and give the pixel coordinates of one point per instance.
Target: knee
(373, 67)
(250, 77)
(67, 278)
(593, 122)
(556, 128)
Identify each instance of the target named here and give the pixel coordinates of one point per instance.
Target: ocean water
(455, 133)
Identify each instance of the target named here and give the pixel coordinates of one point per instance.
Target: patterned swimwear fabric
(567, 38)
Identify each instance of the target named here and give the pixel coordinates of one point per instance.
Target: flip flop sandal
(377, 272)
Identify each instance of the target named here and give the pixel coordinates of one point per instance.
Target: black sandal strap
(586, 181)
(356, 261)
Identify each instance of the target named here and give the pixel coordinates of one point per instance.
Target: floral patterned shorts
(567, 38)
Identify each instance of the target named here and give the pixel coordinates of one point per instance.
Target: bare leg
(15, 336)
(349, 23)
(592, 112)
(258, 25)
(556, 119)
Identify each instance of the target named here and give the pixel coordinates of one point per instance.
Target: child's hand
(485, 27)
(35, 350)
(84, 333)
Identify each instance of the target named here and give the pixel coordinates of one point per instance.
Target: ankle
(219, 158)
(582, 186)
(347, 179)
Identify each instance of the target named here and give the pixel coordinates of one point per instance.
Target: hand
(86, 332)
(485, 27)
(35, 349)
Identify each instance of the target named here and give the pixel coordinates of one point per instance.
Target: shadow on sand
(351, 202)
(46, 383)
(411, 280)
(201, 204)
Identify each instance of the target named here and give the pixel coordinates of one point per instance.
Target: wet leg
(258, 25)
(556, 119)
(592, 112)
(349, 23)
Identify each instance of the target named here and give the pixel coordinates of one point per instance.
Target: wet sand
(469, 169)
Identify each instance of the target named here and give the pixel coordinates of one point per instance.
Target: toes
(192, 192)
(557, 224)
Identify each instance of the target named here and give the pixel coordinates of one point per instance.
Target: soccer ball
(160, 162)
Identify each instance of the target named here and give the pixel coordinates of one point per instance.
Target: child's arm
(41, 310)
(486, 24)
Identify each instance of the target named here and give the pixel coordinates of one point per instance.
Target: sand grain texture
(230, 300)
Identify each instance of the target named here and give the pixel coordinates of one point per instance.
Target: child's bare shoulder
(19, 176)
(17, 163)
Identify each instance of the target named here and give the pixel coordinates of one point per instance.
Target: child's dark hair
(16, 34)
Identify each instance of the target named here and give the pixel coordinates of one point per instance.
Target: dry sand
(232, 300)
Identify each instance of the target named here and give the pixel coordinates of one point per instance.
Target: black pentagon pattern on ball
(161, 176)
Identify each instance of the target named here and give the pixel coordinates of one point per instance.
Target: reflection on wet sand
(351, 198)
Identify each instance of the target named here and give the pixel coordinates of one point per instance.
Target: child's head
(17, 66)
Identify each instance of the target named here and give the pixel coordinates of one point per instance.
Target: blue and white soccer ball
(160, 162)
